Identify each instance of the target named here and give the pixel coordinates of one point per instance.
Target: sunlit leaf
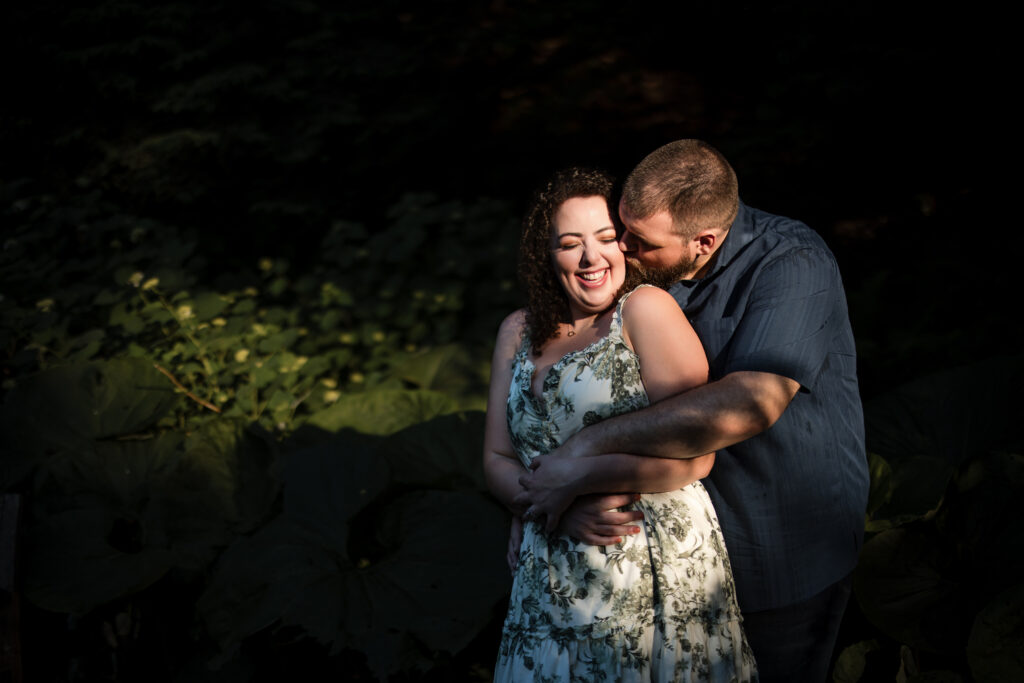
(382, 412)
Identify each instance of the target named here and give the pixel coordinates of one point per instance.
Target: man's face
(659, 254)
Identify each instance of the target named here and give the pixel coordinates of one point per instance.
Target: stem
(174, 380)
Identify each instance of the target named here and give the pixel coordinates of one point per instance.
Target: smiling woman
(629, 601)
(586, 255)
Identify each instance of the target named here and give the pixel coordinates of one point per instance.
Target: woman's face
(585, 252)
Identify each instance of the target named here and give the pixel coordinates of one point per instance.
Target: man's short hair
(691, 180)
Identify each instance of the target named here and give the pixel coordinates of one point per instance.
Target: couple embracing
(685, 462)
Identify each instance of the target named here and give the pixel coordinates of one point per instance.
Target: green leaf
(382, 412)
(852, 661)
(279, 341)
(926, 428)
(948, 416)
(984, 513)
(903, 586)
(239, 464)
(443, 452)
(131, 322)
(208, 305)
(72, 568)
(66, 407)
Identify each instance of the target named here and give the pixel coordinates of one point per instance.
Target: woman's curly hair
(547, 304)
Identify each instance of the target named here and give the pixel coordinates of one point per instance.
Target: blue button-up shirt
(790, 500)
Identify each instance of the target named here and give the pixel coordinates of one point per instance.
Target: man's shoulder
(781, 233)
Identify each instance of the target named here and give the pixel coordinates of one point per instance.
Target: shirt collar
(740, 233)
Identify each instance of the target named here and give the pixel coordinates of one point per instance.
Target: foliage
(369, 553)
(941, 570)
(154, 408)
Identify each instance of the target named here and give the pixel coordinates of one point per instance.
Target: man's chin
(637, 274)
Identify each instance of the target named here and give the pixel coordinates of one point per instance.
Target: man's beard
(637, 274)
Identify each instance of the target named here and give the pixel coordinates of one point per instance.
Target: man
(782, 408)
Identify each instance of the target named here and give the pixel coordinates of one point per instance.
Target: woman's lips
(593, 279)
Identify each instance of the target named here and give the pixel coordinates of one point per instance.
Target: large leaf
(237, 465)
(984, 514)
(449, 369)
(925, 429)
(949, 416)
(995, 649)
(446, 452)
(146, 506)
(354, 568)
(382, 412)
(903, 587)
(65, 408)
(73, 567)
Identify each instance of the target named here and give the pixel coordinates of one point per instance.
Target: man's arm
(685, 426)
(703, 419)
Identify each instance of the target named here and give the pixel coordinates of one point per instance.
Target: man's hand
(548, 488)
(595, 518)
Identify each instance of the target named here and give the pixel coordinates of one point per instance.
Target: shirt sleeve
(789, 319)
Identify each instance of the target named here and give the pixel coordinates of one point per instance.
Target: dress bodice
(583, 387)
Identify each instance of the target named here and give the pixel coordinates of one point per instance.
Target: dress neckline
(614, 334)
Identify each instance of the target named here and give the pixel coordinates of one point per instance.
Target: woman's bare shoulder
(510, 332)
(514, 323)
(649, 302)
(649, 311)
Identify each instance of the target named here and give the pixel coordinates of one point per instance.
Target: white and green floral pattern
(661, 605)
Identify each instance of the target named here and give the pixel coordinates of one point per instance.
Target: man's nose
(626, 242)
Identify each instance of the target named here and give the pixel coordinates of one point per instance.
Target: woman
(658, 605)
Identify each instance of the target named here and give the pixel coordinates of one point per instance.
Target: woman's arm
(672, 361)
(501, 467)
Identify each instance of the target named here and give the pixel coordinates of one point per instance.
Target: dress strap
(615, 329)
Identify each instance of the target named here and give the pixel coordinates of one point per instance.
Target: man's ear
(706, 242)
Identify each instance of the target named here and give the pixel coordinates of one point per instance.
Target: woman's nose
(589, 255)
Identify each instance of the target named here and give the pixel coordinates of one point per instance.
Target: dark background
(254, 127)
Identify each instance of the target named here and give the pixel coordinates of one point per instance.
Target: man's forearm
(699, 421)
(622, 473)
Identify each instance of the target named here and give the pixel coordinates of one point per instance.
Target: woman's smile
(586, 256)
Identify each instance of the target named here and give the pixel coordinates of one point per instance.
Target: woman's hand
(549, 488)
(515, 541)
